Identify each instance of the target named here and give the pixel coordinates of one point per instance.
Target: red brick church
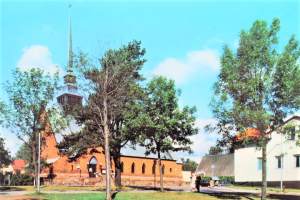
(89, 169)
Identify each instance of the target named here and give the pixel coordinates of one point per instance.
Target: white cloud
(201, 142)
(181, 69)
(12, 142)
(38, 56)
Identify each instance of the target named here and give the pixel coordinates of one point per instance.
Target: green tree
(114, 86)
(24, 153)
(5, 158)
(215, 150)
(162, 125)
(189, 165)
(258, 86)
(29, 93)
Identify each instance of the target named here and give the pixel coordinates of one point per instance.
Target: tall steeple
(70, 50)
(70, 78)
(70, 99)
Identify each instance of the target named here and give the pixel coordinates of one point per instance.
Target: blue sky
(183, 39)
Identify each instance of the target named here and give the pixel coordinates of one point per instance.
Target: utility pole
(39, 163)
(281, 157)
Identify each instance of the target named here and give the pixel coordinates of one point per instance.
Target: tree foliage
(215, 150)
(162, 125)
(29, 93)
(5, 158)
(189, 165)
(258, 86)
(115, 89)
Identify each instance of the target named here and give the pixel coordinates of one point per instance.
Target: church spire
(70, 50)
(70, 78)
(70, 99)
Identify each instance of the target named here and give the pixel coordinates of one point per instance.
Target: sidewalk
(225, 191)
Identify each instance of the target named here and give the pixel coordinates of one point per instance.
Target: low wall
(138, 181)
(146, 181)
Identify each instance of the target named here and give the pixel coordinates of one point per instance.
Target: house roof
(250, 133)
(216, 165)
(18, 165)
(254, 133)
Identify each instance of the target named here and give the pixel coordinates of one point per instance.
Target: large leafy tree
(215, 150)
(115, 89)
(5, 158)
(162, 125)
(189, 165)
(29, 93)
(24, 153)
(4, 153)
(258, 86)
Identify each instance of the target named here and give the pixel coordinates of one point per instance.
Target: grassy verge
(270, 189)
(132, 196)
(56, 188)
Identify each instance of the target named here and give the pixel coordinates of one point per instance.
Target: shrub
(21, 179)
(226, 179)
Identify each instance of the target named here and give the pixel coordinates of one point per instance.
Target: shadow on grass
(154, 188)
(231, 195)
(10, 188)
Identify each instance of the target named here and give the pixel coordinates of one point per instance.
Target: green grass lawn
(134, 196)
(56, 188)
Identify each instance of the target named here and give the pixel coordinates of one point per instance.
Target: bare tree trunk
(264, 170)
(33, 147)
(160, 173)
(107, 162)
(106, 137)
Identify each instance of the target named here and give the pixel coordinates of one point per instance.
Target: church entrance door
(92, 167)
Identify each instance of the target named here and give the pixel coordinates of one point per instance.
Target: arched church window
(143, 168)
(153, 168)
(163, 169)
(122, 167)
(132, 168)
(93, 161)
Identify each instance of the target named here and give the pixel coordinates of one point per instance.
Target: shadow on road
(250, 196)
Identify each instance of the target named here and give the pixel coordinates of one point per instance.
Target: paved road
(231, 192)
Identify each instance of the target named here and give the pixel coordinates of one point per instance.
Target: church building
(89, 169)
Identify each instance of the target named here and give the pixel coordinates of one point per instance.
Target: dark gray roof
(139, 151)
(217, 165)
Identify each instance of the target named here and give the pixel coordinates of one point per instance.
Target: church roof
(216, 165)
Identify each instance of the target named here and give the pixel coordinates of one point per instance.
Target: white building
(283, 159)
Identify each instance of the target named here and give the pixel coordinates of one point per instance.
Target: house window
(170, 170)
(163, 169)
(132, 168)
(297, 160)
(292, 134)
(259, 163)
(279, 162)
(143, 168)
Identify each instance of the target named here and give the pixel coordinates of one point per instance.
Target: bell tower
(70, 99)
